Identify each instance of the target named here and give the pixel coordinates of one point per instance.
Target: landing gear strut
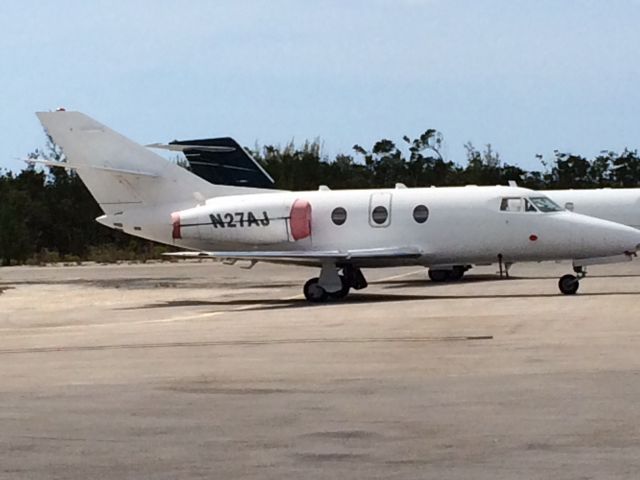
(344, 291)
(331, 286)
(569, 284)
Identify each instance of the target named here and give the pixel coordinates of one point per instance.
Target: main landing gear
(452, 274)
(569, 284)
(333, 286)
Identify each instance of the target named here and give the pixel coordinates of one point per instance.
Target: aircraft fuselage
(456, 225)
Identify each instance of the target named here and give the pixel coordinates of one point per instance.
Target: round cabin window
(379, 215)
(339, 216)
(420, 214)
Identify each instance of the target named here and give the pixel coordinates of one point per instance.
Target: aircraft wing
(310, 257)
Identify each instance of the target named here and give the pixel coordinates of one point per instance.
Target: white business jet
(340, 232)
(621, 205)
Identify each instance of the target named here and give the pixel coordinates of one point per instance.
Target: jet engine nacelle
(246, 220)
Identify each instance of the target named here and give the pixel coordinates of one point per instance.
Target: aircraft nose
(628, 237)
(615, 237)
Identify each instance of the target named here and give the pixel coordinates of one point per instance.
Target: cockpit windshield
(528, 204)
(545, 204)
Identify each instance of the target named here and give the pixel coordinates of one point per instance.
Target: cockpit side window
(545, 204)
(511, 204)
(528, 205)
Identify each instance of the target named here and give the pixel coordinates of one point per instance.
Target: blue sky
(526, 76)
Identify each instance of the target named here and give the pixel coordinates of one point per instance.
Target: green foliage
(625, 169)
(14, 233)
(49, 217)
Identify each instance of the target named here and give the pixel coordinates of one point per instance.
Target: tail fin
(121, 174)
(222, 161)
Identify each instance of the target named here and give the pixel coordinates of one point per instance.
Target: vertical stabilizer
(121, 174)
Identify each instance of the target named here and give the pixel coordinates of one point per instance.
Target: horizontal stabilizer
(52, 163)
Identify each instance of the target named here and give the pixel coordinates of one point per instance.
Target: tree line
(48, 215)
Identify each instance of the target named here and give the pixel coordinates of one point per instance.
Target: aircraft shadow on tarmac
(255, 304)
(125, 283)
(480, 278)
(589, 275)
(141, 283)
(425, 283)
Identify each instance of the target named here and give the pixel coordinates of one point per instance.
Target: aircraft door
(380, 209)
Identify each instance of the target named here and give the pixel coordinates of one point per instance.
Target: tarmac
(204, 370)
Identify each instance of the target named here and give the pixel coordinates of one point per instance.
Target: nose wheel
(569, 284)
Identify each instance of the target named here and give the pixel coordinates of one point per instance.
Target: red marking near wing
(300, 220)
(175, 220)
(533, 237)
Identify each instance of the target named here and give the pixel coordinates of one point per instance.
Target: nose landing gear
(569, 284)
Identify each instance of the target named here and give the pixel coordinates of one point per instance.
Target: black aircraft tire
(439, 275)
(313, 292)
(456, 273)
(568, 284)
